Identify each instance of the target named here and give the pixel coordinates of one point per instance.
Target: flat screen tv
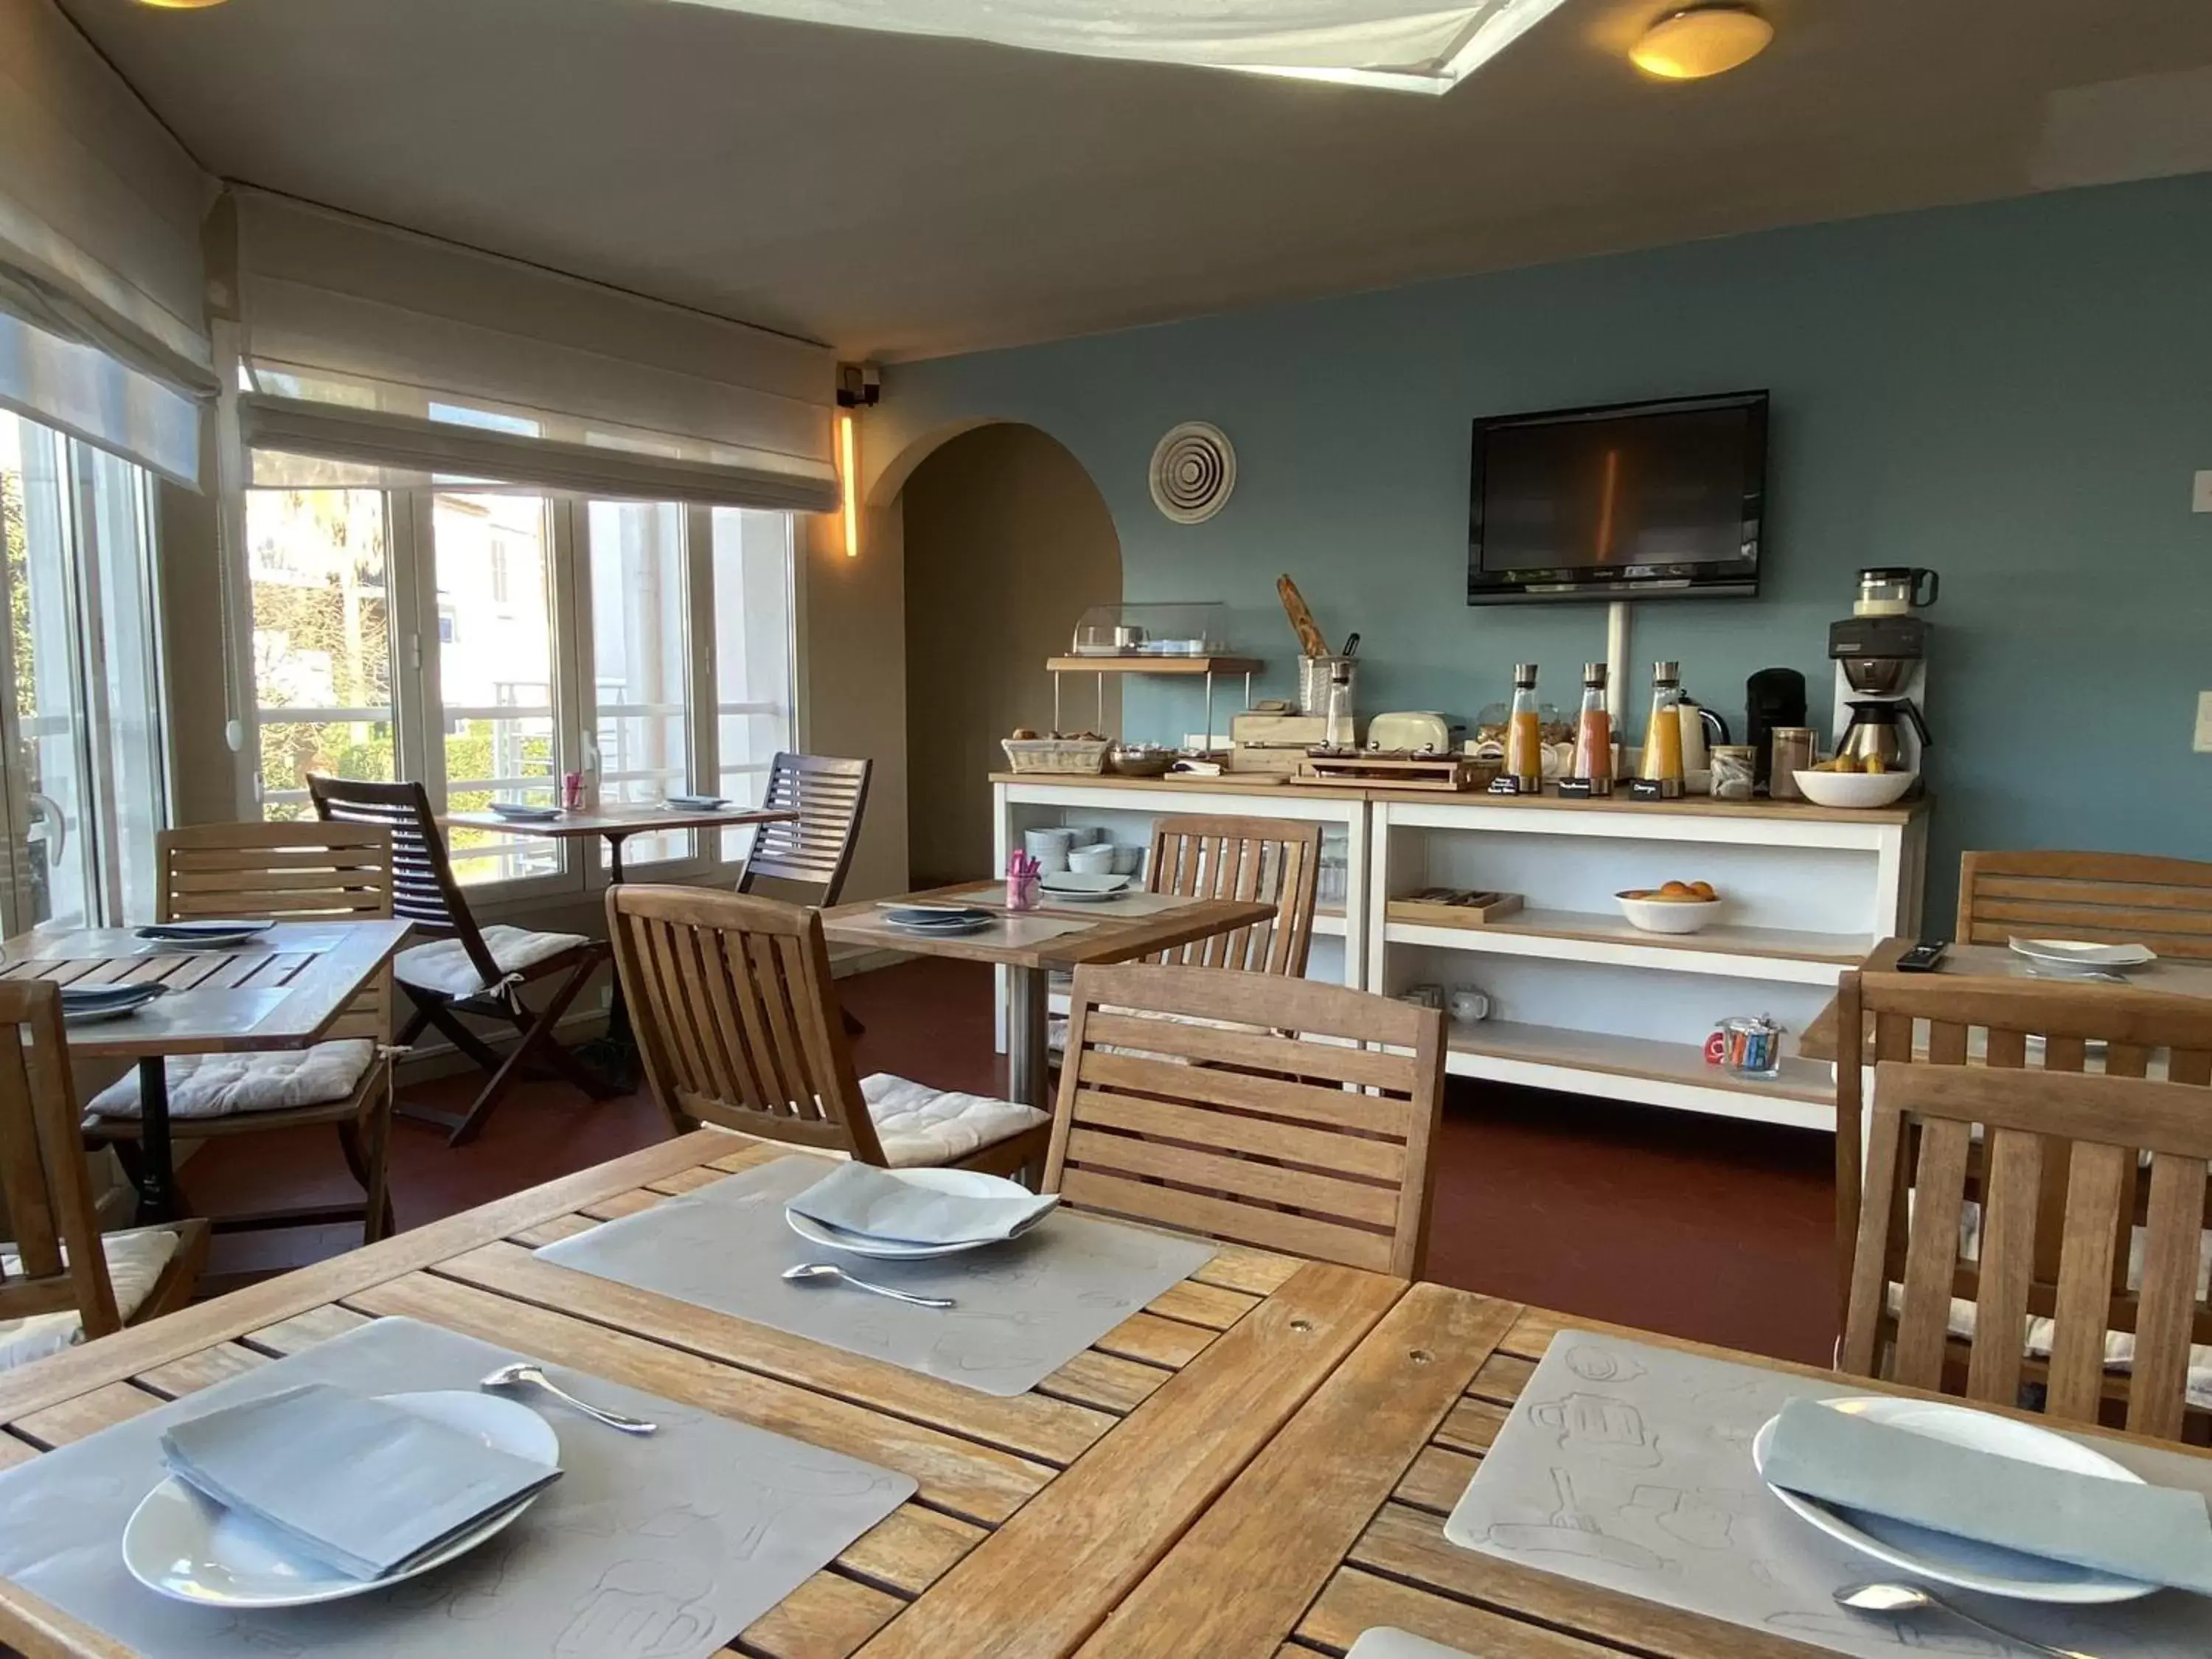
(1627, 501)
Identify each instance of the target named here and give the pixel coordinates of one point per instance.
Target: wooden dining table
(1031, 944)
(282, 991)
(2171, 978)
(1258, 1464)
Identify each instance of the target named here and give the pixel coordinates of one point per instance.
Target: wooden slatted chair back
(1269, 860)
(817, 847)
(2111, 898)
(423, 890)
(293, 873)
(730, 998)
(1245, 1128)
(44, 1173)
(1943, 1137)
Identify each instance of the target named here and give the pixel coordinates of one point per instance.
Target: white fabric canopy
(100, 274)
(376, 356)
(1387, 43)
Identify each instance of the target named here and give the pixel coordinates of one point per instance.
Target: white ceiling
(901, 196)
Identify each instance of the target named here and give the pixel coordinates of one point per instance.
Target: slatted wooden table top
(1035, 1514)
(282, 991)
(1095, 938)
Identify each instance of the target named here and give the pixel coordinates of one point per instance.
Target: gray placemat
(1026, 1307)
(1630, 1467)
(664, 1546)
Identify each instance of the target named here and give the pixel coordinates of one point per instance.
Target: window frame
(418, 709)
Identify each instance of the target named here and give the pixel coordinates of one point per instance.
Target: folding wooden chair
(469, 970)
(286, 872)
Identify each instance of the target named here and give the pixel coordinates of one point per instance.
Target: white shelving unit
(1582, 1001)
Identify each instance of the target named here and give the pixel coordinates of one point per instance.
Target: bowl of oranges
(1676, 907)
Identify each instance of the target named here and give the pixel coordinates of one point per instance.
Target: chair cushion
(444, 967)
(218, 1085)
(2119, 1346)
(135, 1260)
(924, 1127)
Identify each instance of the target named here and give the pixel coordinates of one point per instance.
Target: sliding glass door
(85, 788)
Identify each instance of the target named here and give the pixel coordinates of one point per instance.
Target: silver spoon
(1911, 1598)
(508, 1377)
(829, 1270)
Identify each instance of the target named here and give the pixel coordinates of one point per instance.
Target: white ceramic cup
(1469, 1003)
(1129, 860)
(1048, 847)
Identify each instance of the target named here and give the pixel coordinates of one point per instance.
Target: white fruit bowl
(1854, 790)
(1668, 915)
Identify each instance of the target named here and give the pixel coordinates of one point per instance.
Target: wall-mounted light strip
(848, 480)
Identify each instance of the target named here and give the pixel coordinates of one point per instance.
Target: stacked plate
(89, 1005)
(2082, 957)
(982, 1210)
(937, 919)
(203, 935)
(521, 813)
(696, 803)
(1076, 887)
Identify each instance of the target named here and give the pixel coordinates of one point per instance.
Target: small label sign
(1653, 789)
(1575, 789)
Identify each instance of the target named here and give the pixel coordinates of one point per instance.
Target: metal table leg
(157, 1175)
(1028, 1058)
(615, 1053)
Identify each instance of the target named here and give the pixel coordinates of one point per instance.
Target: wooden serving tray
(1465, 910)
(1443, 773)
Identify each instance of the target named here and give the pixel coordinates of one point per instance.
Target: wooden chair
(1319, 1149)
(2094, 1129)
(2113, 898)
(62, 1258)
(286, 872)
(2008, 1021)
(736, 1017)
(815, 849)
(1277, 859)
(472, 970)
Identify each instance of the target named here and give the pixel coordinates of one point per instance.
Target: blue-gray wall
(2015, 393)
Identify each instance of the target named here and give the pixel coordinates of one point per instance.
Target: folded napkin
(188, 930)
(358, 1483)
(865, 1201)
(2156, 1534)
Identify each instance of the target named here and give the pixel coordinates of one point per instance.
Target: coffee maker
(1880, 654)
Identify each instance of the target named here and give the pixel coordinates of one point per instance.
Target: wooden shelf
(1152, 665)
(1329, 919)
(1524, 1054)
(1778, 954)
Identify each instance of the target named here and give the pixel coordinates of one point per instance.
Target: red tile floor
(1697, 1226)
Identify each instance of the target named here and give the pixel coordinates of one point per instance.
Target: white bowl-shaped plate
(186, 1546)
(967, 1183)
(2083, 953)
(1961, 1562)
(1074, 884)
(1668, 915)
(1857, 791)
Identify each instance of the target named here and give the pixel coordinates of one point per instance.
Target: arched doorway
(1008, 543)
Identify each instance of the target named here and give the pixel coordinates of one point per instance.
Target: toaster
(1414, 733)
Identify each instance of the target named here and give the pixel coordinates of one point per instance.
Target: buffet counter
(1580, 999)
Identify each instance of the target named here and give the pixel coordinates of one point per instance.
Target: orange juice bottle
(1661, 762)
(1593, 763)
(1524, 734)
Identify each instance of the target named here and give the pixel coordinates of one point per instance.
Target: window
(82, 749)
(531, 637)
(322, 640)
(494, 679)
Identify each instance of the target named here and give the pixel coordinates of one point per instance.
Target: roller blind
(376, 356)
(1399, 44)
(101, 279)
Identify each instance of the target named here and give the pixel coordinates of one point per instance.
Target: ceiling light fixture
(1697, 41)
(179, 5)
